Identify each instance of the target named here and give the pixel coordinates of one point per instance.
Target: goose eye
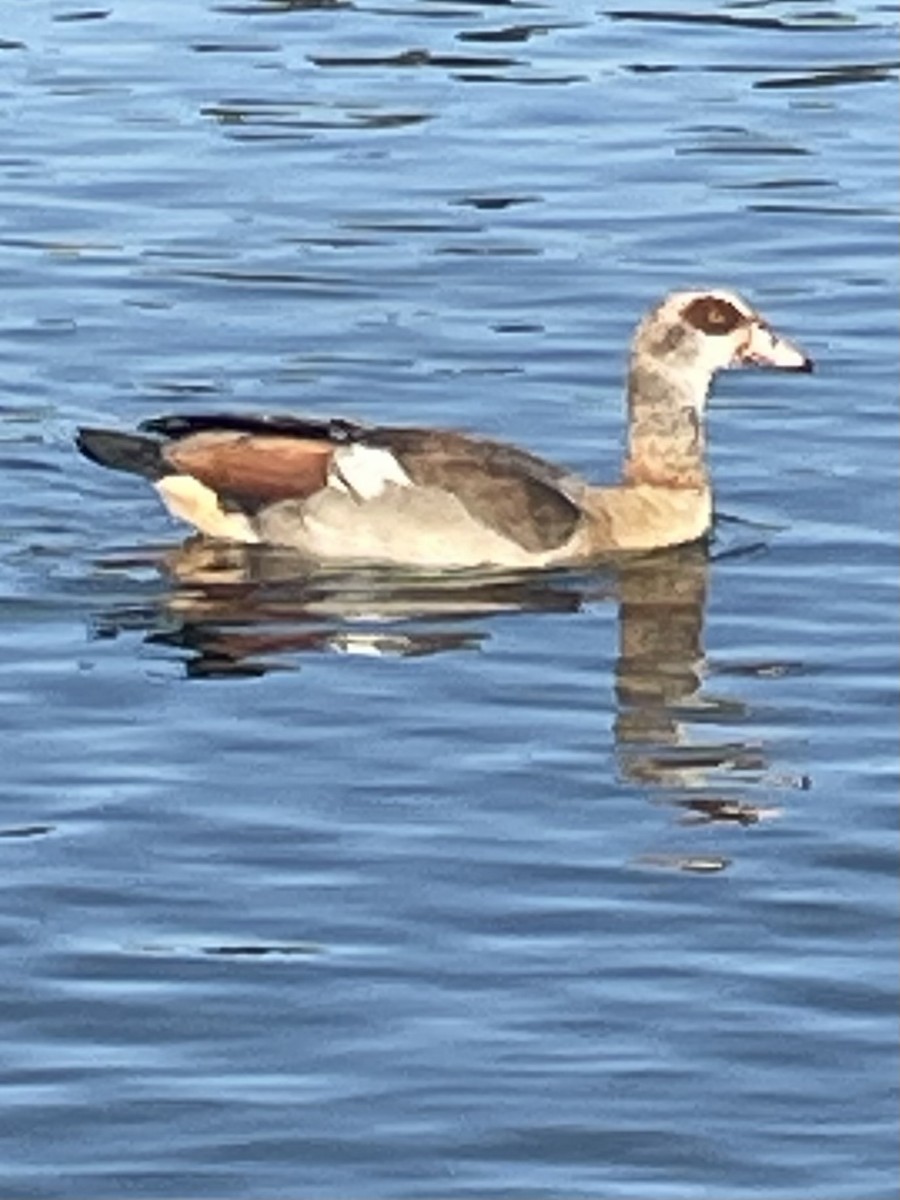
(711, 315)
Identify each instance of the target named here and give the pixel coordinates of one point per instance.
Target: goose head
(691, 335)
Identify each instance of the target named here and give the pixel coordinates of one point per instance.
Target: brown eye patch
(709, 314)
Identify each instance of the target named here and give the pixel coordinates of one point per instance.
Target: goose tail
(123, 452)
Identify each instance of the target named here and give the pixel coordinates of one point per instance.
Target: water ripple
(299, 866)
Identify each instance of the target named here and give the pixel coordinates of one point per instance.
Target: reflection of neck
(662, 602)
(666, 442)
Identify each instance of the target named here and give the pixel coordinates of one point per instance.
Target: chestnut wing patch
(252, 470)
(508, 490)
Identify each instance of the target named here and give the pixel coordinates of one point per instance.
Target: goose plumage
(341, 491)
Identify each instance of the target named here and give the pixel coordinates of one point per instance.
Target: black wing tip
(177, 425)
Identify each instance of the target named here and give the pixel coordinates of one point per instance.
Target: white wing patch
(190, 500)
(365, 471)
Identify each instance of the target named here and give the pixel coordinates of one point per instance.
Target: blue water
(331, 885)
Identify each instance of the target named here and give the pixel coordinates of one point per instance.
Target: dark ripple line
(276, 278)
(746, 151)
(832, 77)
(819, 77)
(523, 80)
(509, 33)
(238, 950)
(87, 14)
(235, 48)
(279, 7)
(822, 210)
(27, 831)
(415, 58)
(256, 114)
(728, 21)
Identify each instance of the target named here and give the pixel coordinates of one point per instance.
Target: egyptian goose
(337, 491)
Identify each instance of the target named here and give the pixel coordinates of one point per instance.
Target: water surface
(338, 885)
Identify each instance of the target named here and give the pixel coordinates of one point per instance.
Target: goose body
(338, 491)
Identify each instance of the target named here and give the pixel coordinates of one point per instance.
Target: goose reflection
(243, 611)
(661, 700)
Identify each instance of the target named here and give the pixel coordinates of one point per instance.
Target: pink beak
(764, 348)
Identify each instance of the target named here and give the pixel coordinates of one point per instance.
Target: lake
(333, 884)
